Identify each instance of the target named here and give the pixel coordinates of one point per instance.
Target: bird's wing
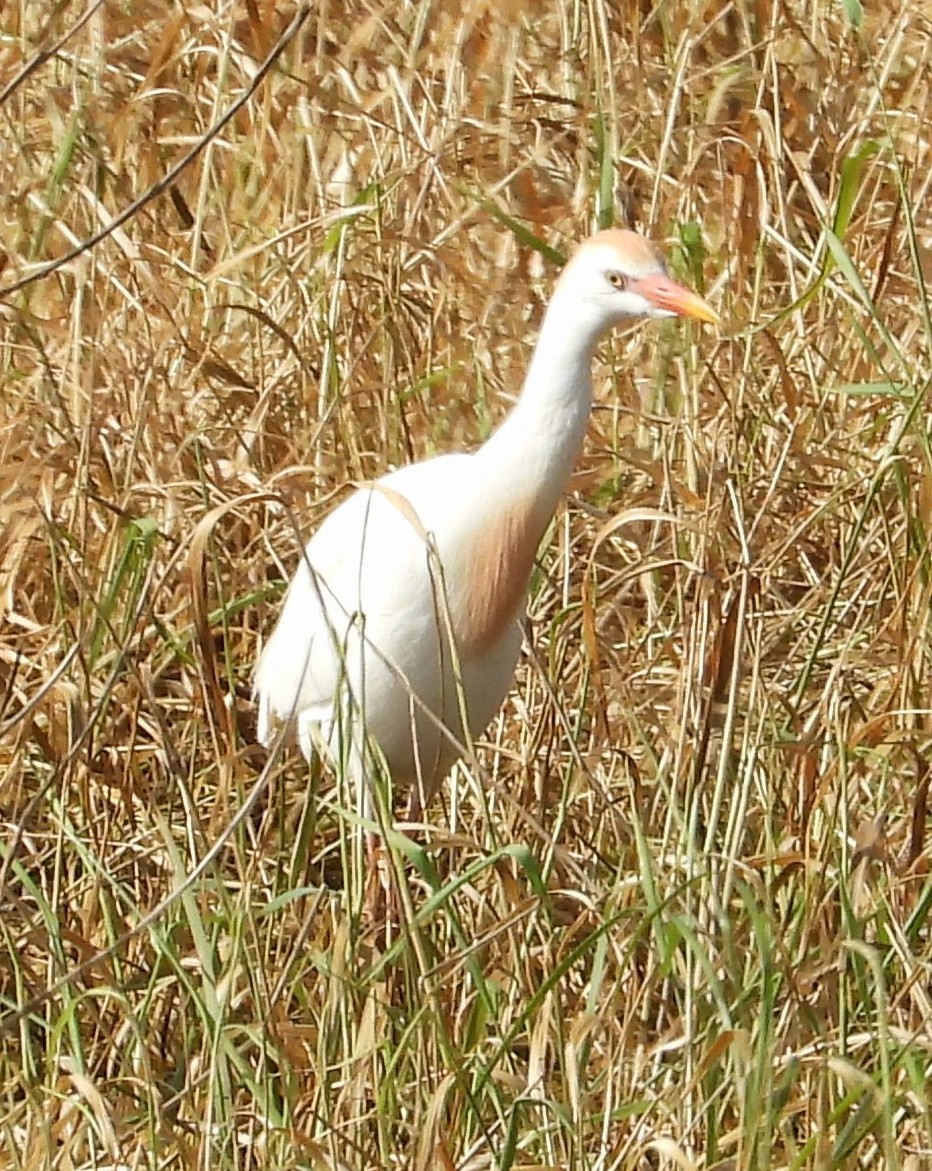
(365, 557)
(286, 682)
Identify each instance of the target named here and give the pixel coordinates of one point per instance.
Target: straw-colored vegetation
(676, 913)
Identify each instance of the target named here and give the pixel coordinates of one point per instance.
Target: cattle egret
(402, 622)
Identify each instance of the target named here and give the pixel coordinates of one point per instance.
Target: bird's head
(618, 275)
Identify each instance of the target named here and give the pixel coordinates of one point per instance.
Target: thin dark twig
(44, 54)
(171, 177)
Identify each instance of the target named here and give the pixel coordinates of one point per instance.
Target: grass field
(676, 913)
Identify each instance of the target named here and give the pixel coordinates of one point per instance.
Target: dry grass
(677, 915)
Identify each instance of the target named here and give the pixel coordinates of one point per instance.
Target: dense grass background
(677, 912)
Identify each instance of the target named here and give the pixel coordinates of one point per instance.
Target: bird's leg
(382, 904)
(378, 889)
(374, 886)
(422, 793)
(415, 804)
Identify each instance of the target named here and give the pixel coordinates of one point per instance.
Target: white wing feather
(367, 557)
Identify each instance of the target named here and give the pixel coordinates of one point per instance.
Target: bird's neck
(536, 446)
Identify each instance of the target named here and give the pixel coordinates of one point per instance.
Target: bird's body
(404, 612)
(380, 622)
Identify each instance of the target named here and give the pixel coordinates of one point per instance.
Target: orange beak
(666, 294)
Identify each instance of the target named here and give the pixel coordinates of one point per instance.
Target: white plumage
(415, 585)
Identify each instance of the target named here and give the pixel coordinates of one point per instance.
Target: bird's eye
(616, 280)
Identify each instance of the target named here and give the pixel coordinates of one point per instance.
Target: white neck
(536, 446)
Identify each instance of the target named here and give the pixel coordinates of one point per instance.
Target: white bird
(402, 622)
